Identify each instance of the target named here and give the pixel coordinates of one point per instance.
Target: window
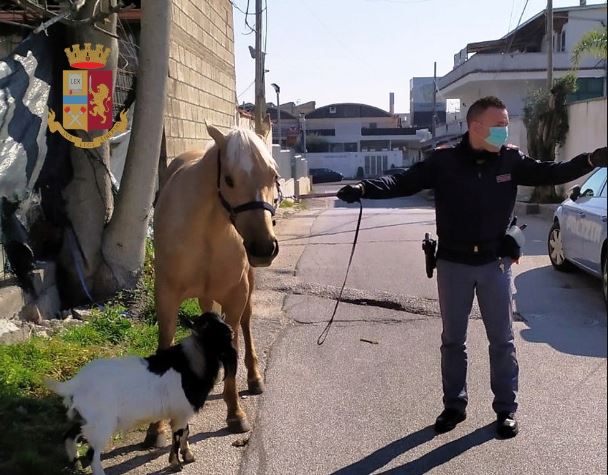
(604, 191)
(560, 42)
(593, 186)
(587, 88)
(332, 109)
(350, 147)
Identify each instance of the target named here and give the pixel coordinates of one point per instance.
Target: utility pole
(434, 115)
(549, 44)
(260, 96)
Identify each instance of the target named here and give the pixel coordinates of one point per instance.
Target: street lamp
(277, 89)
(303, 127)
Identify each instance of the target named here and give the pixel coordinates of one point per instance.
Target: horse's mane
(242, 141)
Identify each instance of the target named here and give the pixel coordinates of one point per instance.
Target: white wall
(587, 131)
(512, 93)
(283, 159)
(517, 133)
(347, 163)
(579, 23)
(587, 127)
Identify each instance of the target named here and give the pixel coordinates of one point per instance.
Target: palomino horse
(212, 225)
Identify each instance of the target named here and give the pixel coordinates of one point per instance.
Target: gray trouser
(457, 283)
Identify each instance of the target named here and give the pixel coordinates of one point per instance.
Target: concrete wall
(201, 73)
(580, 22)
(347, 163)
(587, 131)
(290, 185)
(283, 158)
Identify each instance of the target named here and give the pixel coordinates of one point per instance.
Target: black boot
(449, 419)
(506, 425)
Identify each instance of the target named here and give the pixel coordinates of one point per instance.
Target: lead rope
(325, 331)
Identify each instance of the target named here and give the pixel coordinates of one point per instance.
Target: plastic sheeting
(25, 82)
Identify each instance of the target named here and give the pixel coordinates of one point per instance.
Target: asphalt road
(365, 401)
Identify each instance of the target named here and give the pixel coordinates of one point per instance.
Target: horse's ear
(266, 127)
(216, 134)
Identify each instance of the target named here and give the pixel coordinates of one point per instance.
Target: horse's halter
(233, 211)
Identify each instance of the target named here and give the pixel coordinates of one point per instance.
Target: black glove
(599, 158)
(350, 193)
(509, 248)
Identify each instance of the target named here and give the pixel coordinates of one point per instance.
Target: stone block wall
(202, 83)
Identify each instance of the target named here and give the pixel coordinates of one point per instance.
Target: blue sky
(360, 50)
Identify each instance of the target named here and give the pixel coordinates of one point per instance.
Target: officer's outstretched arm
(419, 177)
(530, 172)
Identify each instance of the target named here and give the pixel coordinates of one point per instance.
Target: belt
(471, 248)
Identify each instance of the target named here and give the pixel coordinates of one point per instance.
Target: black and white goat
(111, 395)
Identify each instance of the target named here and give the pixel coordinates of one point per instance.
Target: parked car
(578, 235)
(324, 175)
(395, 170)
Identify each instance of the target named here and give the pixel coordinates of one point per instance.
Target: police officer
(475, 186)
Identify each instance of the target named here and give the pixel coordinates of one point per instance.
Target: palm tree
(546, 111)
(594, 43)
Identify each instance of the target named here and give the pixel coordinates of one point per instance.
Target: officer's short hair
(481, 105)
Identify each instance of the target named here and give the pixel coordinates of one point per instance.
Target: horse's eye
(229, 181)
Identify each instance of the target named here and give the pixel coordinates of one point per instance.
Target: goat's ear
(187, 322)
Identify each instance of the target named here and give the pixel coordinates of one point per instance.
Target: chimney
(391, 102)
(583, 3)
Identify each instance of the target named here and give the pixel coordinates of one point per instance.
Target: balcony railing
(505, 63)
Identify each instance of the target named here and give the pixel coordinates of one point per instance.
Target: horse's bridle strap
(254, 205)
(244, 207)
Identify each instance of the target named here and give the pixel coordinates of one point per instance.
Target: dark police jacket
(474, 194)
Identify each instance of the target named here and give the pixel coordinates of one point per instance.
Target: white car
(578, 235)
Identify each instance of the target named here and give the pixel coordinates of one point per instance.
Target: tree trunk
(124, 239)
(88, 197)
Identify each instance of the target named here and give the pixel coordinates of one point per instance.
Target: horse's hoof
(238, 426)
(187, 456)
(256, 386)
(154, 440)
(176, 467)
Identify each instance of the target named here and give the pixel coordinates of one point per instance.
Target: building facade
(202, 80)
(421, 103)
(516, 64)
(359, 140)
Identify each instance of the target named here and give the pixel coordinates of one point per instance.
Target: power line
(245, 12)
(515, 30)
(246, 89)
(265, 25)
(511, 16)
